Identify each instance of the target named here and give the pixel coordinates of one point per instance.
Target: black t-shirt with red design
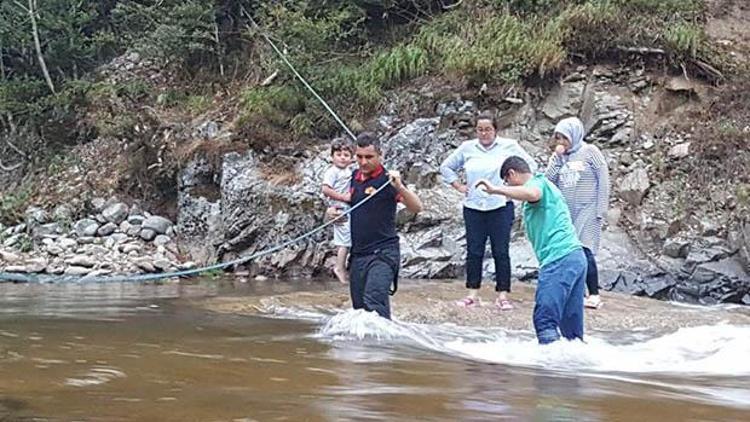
(373, 225)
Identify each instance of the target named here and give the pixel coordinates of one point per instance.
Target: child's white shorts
(342, 235)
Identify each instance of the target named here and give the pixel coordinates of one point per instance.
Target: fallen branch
(15, 148)
(641, 50)
(269, 79)
(451, 6)
(708, 69)
(3, 167)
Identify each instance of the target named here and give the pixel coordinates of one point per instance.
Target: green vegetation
(351, 51)
(494, 42)
(12, 205)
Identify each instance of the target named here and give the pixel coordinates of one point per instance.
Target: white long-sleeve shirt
(480, 162)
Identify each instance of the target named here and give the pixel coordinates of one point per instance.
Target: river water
(126, 352)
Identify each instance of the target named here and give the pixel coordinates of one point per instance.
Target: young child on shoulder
(336, 182)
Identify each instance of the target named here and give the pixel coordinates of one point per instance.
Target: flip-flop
(504, 304)
(468, 302)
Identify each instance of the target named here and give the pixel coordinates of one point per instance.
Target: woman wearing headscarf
(580, 171)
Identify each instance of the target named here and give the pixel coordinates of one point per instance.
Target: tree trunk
(38, 45)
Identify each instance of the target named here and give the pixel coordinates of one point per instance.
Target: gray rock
(127, 248)
(12, 240)
(109, 243)
(133, 231)
(82, 261)
(62, 213)
(125, 226)
(98, 204)
(136, 219)
(17, 269)
(145, 265)
(107, 229)
(136, 209)
(36, 265)
(9, 257)
(679, 151)
(55, 250)
(67, 243)
(116, 213)
(162, 264)
(77, 271)
(701, 255)
(86, 227)
(208, 130)
(88, 240)
(564, 100)
(740, 241)
(676, 248)
(34, 216)
(147, 234)
(49, 229)
(55, 270)
(161, 240)
(634, 186)
(157, 224)
(189, 265)
(119, 237)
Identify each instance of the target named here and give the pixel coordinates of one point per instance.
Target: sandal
(592, 302)
(504, 304)
(468, 302)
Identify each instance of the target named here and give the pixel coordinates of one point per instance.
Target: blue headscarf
(572, 128)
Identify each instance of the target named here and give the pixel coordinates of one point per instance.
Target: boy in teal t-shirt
(562, 273)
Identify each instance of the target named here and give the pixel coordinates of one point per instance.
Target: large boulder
(634, 186)
(115, 213)
(740, 241)
(86, 227)
(158, 224)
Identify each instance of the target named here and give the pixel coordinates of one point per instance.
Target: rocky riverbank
(114, 239)
(660, 241)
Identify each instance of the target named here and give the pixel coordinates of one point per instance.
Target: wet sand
(433, 302)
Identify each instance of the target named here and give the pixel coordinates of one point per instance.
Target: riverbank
(433, 302)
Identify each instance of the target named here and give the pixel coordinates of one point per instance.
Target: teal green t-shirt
(548, 224)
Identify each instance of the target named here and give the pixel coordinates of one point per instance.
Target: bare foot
(341, 275)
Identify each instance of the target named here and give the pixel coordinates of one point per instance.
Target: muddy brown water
(127, 352)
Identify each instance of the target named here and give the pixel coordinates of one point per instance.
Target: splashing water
(720, 350)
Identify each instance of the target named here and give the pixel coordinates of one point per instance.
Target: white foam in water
(96, 376)
(720, 350)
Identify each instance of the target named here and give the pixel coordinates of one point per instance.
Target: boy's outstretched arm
(521, 193)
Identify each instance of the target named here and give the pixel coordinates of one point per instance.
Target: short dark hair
(487, 116)
(341, 144)
(515, 163)
(365, 139)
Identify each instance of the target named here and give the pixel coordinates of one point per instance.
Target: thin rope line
(304, 82)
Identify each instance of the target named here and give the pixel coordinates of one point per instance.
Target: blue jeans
(559, 298)
(495, 224)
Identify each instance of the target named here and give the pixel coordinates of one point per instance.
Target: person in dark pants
(485, 216)
(563, 266)
(375, 257)
(580, 171)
